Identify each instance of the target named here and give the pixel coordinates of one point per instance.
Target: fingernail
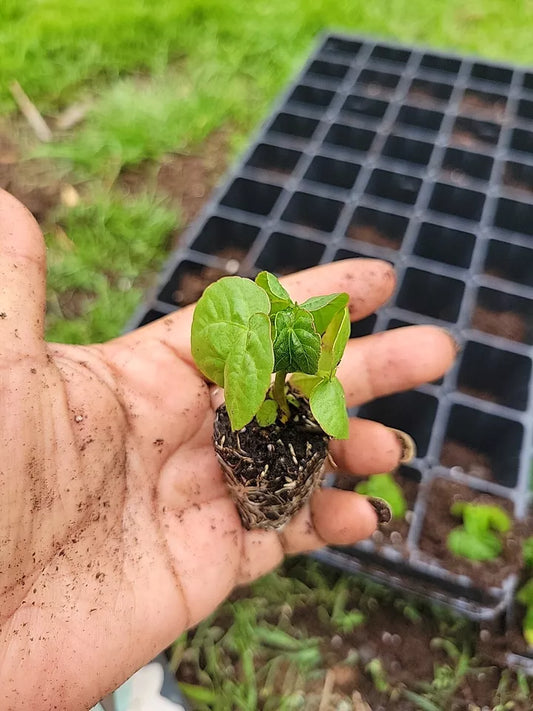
(382, 509)
(407, 444)
(456, 345)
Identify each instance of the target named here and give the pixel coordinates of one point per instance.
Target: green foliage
(527, 552)
(478, 539)
(384, 487)
(236, 345)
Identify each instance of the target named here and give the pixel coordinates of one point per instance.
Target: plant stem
(278, 392)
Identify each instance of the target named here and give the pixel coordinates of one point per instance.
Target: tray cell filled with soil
(275, 160)
(429, 93)
(333, 72)
(364, 108)
(349, 138)
(510, 261)
(442, 295)
(495, 375)
(292, 126)
(504, 315)
(438, 63)
(473, 133)
(483, 104)
(311, 96)
(382, 229)
(408, 150)
(284, 254)
(514, 216)
(332, 172)
(457, 201)
(378, 83)
(439, 522)
(188, 281)
(251, 196)
(226, 239)
(390, 55)
(519, 176)
(483, 445)
(459, 166)
(394, 186)
(413, 412)
(444, 244)
(313, 211)
(522, 141)
(418, 119)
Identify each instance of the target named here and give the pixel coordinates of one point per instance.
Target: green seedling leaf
(384, 487)
(478, 518)
(474, 546)
(525, 594)
(248, 371)
(267, 413)
(324, 308)
(328, 406)
(279, 297)
(527, 552)
(334, 341)
(296, 342)
(221, 320)
(527, 626)
(305, 383)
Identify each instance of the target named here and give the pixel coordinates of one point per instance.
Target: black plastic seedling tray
(425, 160)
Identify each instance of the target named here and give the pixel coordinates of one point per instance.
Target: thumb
(22, 278)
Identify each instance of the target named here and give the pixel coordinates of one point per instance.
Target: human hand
(116, 528)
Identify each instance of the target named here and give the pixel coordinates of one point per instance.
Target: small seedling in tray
(479, 538)
(271, 436)
(384, 487)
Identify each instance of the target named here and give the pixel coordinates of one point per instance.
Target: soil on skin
(472, 103)
(193, 284)
(439, 522)
(455, 454)
(367, 233)
(506, 324)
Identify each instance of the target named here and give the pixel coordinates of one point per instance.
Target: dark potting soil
(439, 522)
(192, 284)
(506, 324)
(423, 98)
(511, 181)
(455, 454)
(271, 471)
(467, 139)
(367, 233)
(476, 392)
(473, 103)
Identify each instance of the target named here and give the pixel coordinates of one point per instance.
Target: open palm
(116, 529)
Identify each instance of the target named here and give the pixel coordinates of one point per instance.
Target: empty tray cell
(311, 96)
(284, 254)
(496, 375)
(505, 315)
(483, 445)
(413, 412)
(378, 83)
(363, 327)
(382, 229)
(430, 294)
(518, 176)
(334, 172)
(364, 108)
(336, 45)
(510, 261)
(188, 282)
(444, 244)
(528, 81)
(408, 150)
(225, 239)
(514, 216)
(457, 201)
(415, 117)
(522, 140)
(350, 137)
(394, 186)
(429, 93)
(525, 109)
(348, 254)
(483, 104)
(394, 55)
(440, 64)
(487, 72)
(293, 126)
(331, 71)
(318, 213)
(458, 164)
(149, 316)
(471, 133)
(274, 159)
(251, 196)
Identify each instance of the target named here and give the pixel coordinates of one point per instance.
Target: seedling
(479, 538)
(271, 435)
(384, 487)
(527, 552)
(525, 597)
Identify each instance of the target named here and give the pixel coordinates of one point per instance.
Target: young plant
(480, 536)
(525, 597)
(271, 436)
(384, 487)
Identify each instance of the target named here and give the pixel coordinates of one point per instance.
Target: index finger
(368, 282)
